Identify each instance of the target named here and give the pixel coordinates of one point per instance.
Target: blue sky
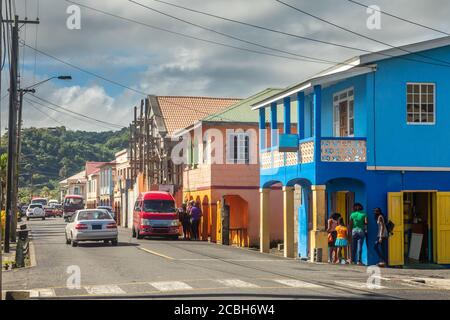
(158, 63)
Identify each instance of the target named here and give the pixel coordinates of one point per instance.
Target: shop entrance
(418, 221)
(422, 227)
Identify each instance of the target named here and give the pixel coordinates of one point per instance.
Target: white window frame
(336, 112)
(243, 154)
(420, 123)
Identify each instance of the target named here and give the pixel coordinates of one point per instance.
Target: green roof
(242, 111)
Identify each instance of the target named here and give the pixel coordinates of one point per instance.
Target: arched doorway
(301, 218)
(238, 220)
(271, 215)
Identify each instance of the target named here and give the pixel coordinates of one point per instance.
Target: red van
(155, 214)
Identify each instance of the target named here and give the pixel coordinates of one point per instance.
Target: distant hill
(53, 154)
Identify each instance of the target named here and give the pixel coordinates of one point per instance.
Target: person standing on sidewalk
(382, 236)
(358, 222)
(185, 221)
(332, 234)
(196, 215)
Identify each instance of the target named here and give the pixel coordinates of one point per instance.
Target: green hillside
(53, 154)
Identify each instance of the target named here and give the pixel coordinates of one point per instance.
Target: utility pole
(11, 188)
(22, 92)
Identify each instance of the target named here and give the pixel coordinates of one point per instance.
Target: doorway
(422, 227)
(418, 222)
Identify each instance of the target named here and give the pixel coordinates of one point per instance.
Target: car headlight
(145, 222)
(174, 223)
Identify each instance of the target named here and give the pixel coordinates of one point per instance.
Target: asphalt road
(170, 269)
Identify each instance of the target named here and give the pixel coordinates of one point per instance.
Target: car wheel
(138, 234)
(114, 242)
(133, 232)
(74, 243)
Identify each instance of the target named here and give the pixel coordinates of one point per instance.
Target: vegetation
(50, 155)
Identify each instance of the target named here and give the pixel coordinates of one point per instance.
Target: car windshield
(93, 215)
(39, 201)
(163, 206)
(73, 201)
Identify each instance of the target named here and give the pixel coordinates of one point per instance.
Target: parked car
(109, 209)
(35, 211)
(53, 210)
(91, 225)
(155, 214)
(71, 204)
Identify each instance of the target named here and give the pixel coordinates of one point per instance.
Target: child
(341, 240)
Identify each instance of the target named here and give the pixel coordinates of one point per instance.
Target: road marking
(42, 293)
(104, 290)
(298, 284)
(156, 253)
(359, 285)
(171, 286)
(236, 283)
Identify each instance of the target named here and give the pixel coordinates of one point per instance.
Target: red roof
(93, 167)
(181, 112)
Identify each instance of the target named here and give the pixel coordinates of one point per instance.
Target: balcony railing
(345, 150)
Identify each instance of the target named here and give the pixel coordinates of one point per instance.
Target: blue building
(374, 130)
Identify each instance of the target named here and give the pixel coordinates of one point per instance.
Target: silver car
(91, 225)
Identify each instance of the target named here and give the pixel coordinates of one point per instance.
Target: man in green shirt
(358, 223)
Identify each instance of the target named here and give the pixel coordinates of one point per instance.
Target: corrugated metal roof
(181, 112)
(241, 111)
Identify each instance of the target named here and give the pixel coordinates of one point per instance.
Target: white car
(35, 211)
(91, 225)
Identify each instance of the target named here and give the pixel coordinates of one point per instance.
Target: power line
(72, 116)
(303, 58)
(194, 37)
(109, 80)
(79, 114)
(356, 33)
(447, 64)
(44, 113)
(400, 18)
(86, 71)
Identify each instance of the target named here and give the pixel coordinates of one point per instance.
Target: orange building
(222, 169)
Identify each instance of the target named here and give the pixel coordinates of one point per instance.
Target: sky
(151, 61)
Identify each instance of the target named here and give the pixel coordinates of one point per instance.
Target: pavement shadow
(101, 244)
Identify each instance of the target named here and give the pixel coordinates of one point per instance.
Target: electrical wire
(356, 33)
(44, 113)
(109, 124)
(401, 18)
(447, 64)
(299, 57)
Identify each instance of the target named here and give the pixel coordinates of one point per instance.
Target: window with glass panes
(421, 103)
(239, 148)
(344, 113)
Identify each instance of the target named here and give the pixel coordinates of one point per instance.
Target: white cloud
(166, 64)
